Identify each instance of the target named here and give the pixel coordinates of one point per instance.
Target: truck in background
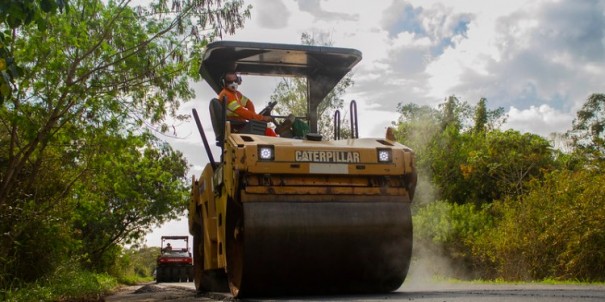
(175, 263)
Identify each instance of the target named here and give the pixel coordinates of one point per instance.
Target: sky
(538, 60)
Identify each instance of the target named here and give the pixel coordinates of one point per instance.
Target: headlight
(384, 155)
(266, 153)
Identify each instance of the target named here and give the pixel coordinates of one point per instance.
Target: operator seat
(218, 116)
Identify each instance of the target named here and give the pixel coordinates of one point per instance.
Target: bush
(448, 231)
(555, 231)
(66, 283)
(135, 265)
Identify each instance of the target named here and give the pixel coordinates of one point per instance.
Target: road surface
(427, 292)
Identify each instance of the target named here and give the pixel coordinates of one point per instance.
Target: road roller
(297, 214)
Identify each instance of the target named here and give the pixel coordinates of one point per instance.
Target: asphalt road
(427, 292)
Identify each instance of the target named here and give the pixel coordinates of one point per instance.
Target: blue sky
(539, 60)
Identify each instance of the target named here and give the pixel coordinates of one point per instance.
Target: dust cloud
(431, 265)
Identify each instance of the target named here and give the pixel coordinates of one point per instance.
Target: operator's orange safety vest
(239, 106)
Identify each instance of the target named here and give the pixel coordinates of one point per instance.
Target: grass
(133, 280)
(499, 281)
(65, 285)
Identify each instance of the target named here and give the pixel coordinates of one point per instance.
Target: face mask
(232, 86)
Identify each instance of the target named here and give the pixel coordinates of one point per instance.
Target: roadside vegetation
(87, 89)
(505, 205)
(72, 282)
(65, 283)
(88, 86)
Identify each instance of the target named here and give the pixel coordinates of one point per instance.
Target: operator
(239, 107)
(168, 248)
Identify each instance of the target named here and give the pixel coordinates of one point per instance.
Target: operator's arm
(260, 117)
(250, 105)
(242, 112)
(247, 114)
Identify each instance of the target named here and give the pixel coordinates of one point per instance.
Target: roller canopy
(323, 66)
(174, 237)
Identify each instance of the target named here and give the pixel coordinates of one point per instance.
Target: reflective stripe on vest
(234, 105)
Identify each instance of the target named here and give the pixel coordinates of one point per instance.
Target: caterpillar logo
(327, 156)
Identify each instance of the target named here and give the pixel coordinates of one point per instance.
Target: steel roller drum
(285, 248)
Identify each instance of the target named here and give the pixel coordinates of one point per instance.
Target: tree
(101, 77)
(466, 165)
(588, 131)
(132, 191)
(14, 14)
(416, 128)
(417, 125)
(454, 113)
(448, 148)
(501, 164)
(487, 120)
(480, 116)
(138, 261)
(291, 95)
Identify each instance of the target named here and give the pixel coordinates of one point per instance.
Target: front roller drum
(286, 248)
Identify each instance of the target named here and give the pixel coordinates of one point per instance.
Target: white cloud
(543, 120)
(314, 7)
(272, 14)
(547, 54)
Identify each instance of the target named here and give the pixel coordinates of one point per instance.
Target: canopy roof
(323, 66)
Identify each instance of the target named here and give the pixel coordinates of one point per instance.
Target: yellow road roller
(297, 214)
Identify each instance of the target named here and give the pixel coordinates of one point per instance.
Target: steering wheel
(267, 110)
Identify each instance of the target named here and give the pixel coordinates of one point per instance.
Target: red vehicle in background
(174, 264)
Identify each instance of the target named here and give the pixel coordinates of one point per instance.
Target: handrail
(354, 125)
(337, 124)
(206, 145)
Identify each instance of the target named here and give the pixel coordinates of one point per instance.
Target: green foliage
(67, 283)
(80, 172)
(417, 125)
(416, 128)
(447, 229)
(14, 14)
(480, 116)
(291, 96)
(447, 153)
(554, 231)
(454, 113)
(470, 168)
(40, 247)
(36, 229)
(135, 265)
(131, 192)
(434, 135)
(514, 208)
(588, 132)
(445, 222)
(470, 164)
(500, 164)
(486, 120)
